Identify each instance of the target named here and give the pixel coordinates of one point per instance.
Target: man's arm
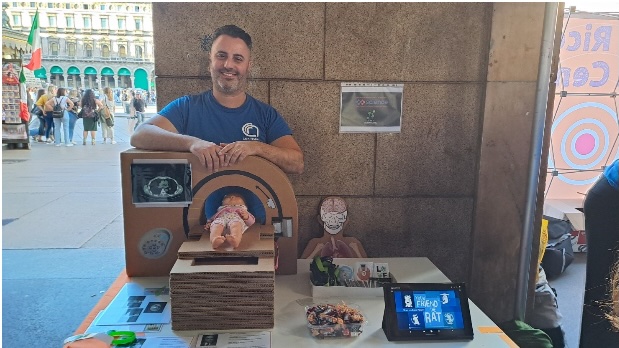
(283, 152)
(159, 134)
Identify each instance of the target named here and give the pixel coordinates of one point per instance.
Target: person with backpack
(89, 115)
(60, 104)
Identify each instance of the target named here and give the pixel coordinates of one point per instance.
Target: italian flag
(35, 42)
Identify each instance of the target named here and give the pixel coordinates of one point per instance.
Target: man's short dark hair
(230, 30)
(233, 31)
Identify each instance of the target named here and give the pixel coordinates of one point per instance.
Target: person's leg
(65, 128)
(84, 136)
(41, 128)
(131, 124)
(602, 231)
(110, 132)
(49, 122)
(57, 125)
(92, 137)
(104, 131)
(72, 121)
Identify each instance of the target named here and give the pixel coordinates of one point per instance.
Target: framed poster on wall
(371, 108)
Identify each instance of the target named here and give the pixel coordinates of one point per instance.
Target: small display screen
(428, 310)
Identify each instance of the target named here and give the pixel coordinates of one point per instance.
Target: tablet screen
(427, 311)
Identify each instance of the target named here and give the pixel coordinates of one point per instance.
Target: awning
(73, 71)
(90, 71)
(40, 73)
(56, 70)
(107, 72)
(124, 72)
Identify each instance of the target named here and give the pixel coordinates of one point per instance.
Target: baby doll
(232, 214)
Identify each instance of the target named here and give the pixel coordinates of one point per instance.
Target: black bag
(36, 111)
(558, 255)
(57, 111)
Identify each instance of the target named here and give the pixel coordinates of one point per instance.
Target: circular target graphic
(582, 139)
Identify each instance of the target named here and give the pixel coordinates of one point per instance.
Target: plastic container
(328, 320)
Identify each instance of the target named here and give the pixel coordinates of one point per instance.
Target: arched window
(71, 49)
(122, 51)
(139, 52)
(105, 51)
(53, 48)
(88, 50)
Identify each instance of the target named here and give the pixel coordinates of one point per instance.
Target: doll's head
(233, 199)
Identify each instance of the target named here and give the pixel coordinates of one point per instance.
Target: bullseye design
(582, 139)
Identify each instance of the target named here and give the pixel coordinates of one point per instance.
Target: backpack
(87, 112)
(57, 111)
(559, 253)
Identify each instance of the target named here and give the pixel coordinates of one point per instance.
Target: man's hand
(208, 154)
(237, 151)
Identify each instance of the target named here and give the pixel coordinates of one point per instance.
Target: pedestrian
(89, 105)
(138, 105)
(73, 96)
(47, 112)
(65, 103)
(40, 117)
(108, 100)
(224, 125)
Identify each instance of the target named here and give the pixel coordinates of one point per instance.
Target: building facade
(91, 45)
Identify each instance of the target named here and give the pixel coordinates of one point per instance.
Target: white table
(293, 293)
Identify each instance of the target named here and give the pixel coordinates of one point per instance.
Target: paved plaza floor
(62, 235)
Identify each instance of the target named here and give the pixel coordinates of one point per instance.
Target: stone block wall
(413, 193)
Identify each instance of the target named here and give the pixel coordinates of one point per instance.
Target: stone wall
(413, 193)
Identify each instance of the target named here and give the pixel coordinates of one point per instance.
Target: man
(225, 125)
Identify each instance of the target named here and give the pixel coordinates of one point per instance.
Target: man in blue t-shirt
(224, 125)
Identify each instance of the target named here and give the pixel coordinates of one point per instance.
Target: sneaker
(114, 142)
(69, 144)
(73, 142)
(59, 144)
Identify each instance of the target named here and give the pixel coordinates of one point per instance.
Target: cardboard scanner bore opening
(233, 260)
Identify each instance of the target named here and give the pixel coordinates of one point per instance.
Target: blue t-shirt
(203, 117)
(612, 174)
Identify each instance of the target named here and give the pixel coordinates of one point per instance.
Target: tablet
(426, 311)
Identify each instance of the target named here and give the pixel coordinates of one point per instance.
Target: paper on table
(137, 304)
(234, 340)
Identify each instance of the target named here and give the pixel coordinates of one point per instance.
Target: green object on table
(122, 337)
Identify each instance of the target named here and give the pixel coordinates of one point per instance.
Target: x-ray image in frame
(161, 183)
(371, 107)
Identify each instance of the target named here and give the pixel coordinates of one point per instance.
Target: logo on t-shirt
(250, 130)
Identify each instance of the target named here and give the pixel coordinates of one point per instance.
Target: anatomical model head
(333, 214)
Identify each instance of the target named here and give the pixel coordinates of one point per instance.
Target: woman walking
(63, 101)
(73, 114)
(108, 101)
(89, 105)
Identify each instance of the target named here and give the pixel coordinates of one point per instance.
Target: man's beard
(229, 86)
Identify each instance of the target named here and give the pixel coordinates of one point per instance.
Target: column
(82, 81)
